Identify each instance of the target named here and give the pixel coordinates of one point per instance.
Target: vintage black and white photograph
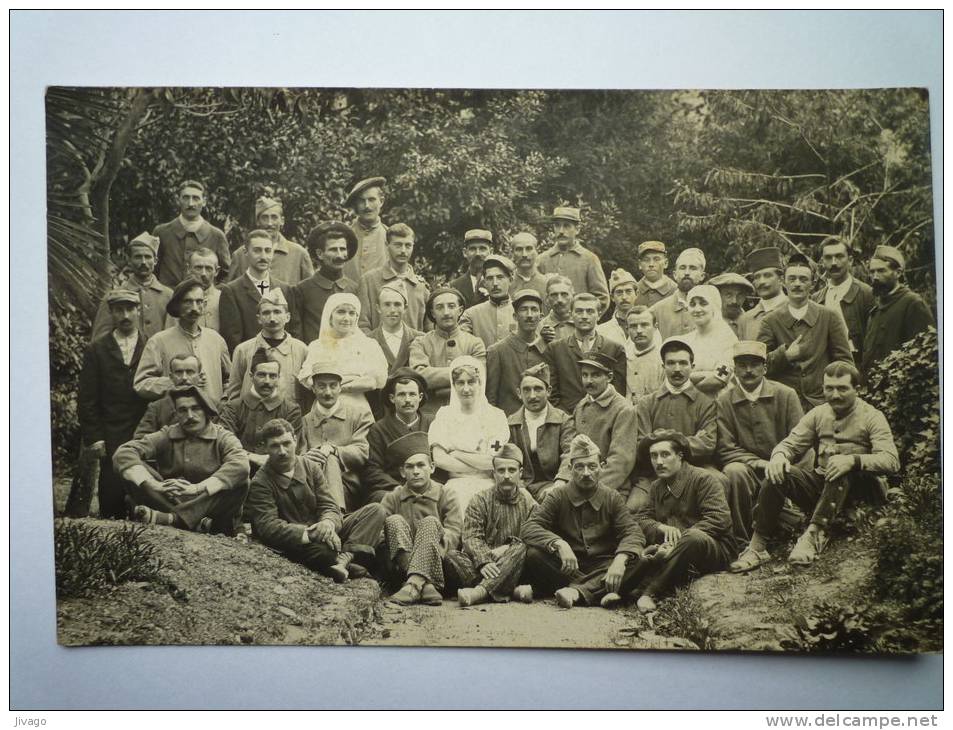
(633, 370)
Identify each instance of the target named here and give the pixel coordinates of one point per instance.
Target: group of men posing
(642, 451)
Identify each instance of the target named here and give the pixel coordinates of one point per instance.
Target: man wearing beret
(107, 405)
(423, 523)
(685, 520)
(291, 263)
(238, 305)
(525, 250)
(477, 245)
(753, 418)
(153, 296)
(179, 237)
(396, 273)
(542, 432)
(200, 476)
(765, 267)
(203, 265)
(292, 511)
(842, 292)
(571, 259)
(490, 564)
(898, 314)
(333, 244)
(492, 320)
(582, 540)
(734, 290)
(671, 313)
(401, 397)
(655, 284)
(366, 199)
(188, 336)
(431, 354)
(506, 360)
(802, 336)
(622, 291)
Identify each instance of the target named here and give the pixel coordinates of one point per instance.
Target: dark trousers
(695, 554)
(359, 534)
(461, 571)
(543, 572)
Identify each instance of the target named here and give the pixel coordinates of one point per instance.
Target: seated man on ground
(491, 562)
(292, 511)
(423, 523)
(685, 521)
(582, 540)
(201, 472)
(855, 449)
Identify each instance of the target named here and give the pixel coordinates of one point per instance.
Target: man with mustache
(543, 433)
(734, 290)
(432, 353)
(525, 250)
(291, 263)
(366, 200)
(107, 405)
(332, 244)
(672, 313)
(477, 245)
(572, 259)
(558, 323)
(203, 265)
(898, 314)
(753, 418)
(238, 307)
(188, 336)
(655, 284)
(180, 237)
(854, 450)
(396, 273)
(622, 290)
(765, 269)
(184, 369)
(644, 373)
(582, 540)
(803, 337)
(490, 564)
(842, 292)
(200, 476)
(292, 512)
(686, 521)
(492, 320)
(153, 296)
(506, 360)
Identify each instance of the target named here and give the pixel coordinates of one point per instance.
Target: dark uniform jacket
(176, 245)
(244, 416)
(563, 358)
(505, 362)
(899, 317)
(238, 310)
(692, 413)
(463, 285)
(307, 302)
(855, 306)
(382, 473)
(552, 447)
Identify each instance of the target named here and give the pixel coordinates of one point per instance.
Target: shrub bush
(832, 628)
(69, 333)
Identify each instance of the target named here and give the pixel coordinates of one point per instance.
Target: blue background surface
(617, 49)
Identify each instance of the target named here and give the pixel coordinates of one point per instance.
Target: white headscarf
(712, 348)
(471, 363)
(326, 332)
(476, 430)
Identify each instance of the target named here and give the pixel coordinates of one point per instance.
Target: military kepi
(764, 258)
(749, 348)
(126, 296)
(564, 213)
(477, 234)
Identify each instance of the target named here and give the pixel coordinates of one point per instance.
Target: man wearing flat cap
(506, 360)
(181, 236)
(366, 200)
(655, 284)
(802, 336)
(153, 295)
(671, 313)
(401, 397)
(622, 291)
(200, 476)
(542, 432)
(477, 245)
(571, 259)
(734, 290)
(490, 564)
(525, 250)
(898, 314)
(291, 263)
(685, 520)
(332, 244)
(396, 273)
(492, 320)
(582, 540)
(107, 405)
(843, 292)
(753, 418)
(765, 267)
(188, 336)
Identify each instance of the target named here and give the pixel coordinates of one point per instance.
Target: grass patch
(681, 616)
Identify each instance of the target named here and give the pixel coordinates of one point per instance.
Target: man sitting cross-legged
(854, 447)
(292, 511)
(582, 539)
(491, 562)
(686, 521)
(423, 523)
(201, 472)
